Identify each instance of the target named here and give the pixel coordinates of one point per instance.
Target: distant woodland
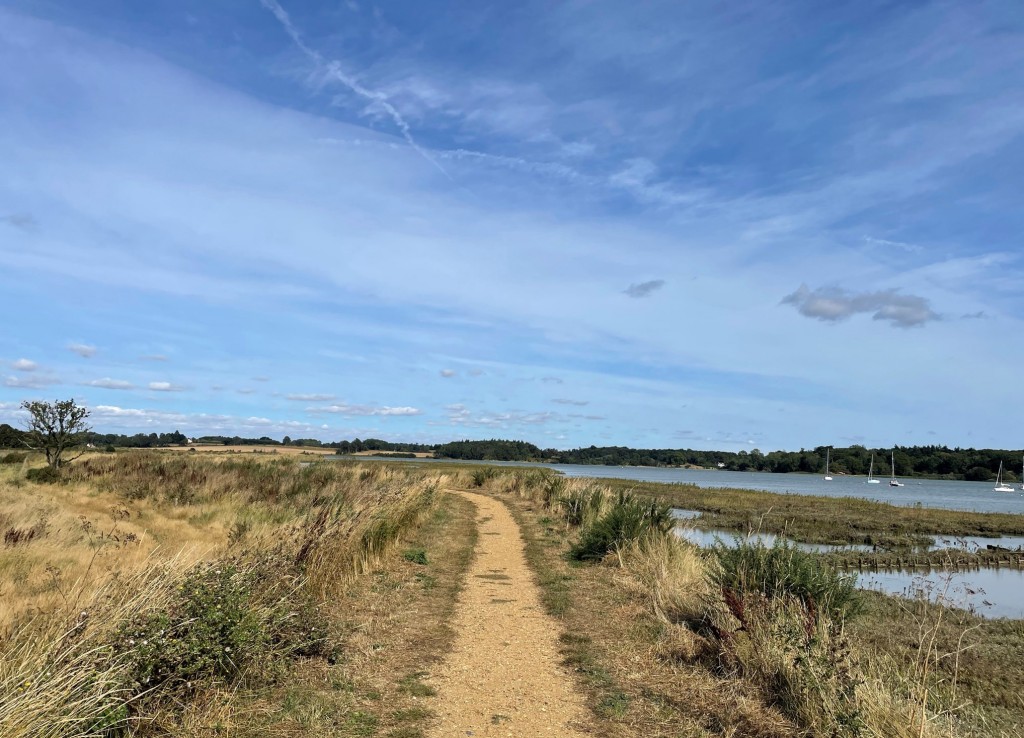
(921, 461)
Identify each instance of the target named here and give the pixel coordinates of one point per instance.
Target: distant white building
(721, 464)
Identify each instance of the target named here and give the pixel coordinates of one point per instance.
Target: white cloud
(448, 373)
(115, 384)
(309, 398)
(153, 357)
(833, 304)
(24, 365)
(31, 382)
(344, 409)
(165, 387)
(459, 414)
(107, 417)
(82, 349)
(563, 401)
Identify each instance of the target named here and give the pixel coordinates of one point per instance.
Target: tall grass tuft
(783, 570)
(627, 520)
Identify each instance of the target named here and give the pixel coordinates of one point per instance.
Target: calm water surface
(991, 593)
(970, 496)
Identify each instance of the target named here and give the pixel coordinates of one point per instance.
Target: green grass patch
(783, 569)
(416, 556)
(412, 684)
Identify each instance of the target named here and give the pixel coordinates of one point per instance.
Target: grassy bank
(807, 518)
(978, 663)
(759, 641)
(838, 520)
(149, 593)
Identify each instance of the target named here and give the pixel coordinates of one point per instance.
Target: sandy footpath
(503, 676)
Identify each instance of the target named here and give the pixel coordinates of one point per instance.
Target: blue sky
(708, 225)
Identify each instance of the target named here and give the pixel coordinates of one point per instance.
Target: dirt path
(503, 676)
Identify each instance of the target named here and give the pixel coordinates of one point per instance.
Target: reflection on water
(942, 543)
(706, 538)
(974, 543)
(991, 593)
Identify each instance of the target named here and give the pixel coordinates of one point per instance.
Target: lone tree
(55, 428)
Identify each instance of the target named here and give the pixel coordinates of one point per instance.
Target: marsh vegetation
(750, 639)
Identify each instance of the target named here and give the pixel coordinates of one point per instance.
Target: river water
(941, 493)
(990, 593)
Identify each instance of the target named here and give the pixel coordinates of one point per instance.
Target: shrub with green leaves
(627, 520)
(783, 569)
(212, 630)
(13, 457)
(43, 475)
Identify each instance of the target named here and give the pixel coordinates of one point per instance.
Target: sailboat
(1000, 485)
(827, 477)
(871, 472)
(892, 481)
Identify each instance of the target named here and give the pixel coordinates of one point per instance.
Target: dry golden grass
(222, 450)
(397, 629)
(120, 535)
(84, 535)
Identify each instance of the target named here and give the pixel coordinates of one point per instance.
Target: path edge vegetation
(771, 619)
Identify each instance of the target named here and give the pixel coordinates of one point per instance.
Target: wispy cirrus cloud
(299, 397)
(129, 418)
(365, 410)
(459, 414)
(448, 373)
(165, 387)
(108, 383)
(30, 382)
(333, 70)
(564, 401)
(22, 221)
(644, 289)
(834, 304)
(85, 350)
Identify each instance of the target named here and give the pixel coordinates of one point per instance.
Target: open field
(156, 592)
(275, 450)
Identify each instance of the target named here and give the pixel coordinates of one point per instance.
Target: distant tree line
(931, 461)
(376, 444)
(492, 450)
